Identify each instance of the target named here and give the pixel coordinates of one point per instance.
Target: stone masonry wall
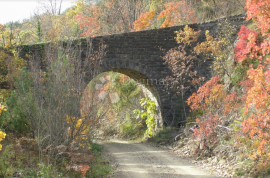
(138, 55)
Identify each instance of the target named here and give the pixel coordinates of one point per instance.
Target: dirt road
(140, 160)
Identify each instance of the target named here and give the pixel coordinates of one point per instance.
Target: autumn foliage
(249, 105)
(247, 40)
(208, 97)
(259, 10)
(206, 134)
(256, 46)
(144, 20)
(88, 22)
(238, 108)
(176, 13)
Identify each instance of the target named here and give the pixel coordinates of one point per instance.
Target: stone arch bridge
(138, 55)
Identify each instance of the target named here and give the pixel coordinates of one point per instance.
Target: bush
(99, 169)
(6, 158)
(128, 129)
(14, 120)
(148, 115)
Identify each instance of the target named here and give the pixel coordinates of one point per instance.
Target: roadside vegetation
(227, 127)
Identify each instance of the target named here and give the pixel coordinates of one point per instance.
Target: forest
(44, 134)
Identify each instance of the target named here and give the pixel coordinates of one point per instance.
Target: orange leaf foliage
(88, 22)
(83, 169)
(144, 20)
(259, 10)
(208, 96)
(177, 13)
(254, 45)
(258, 109)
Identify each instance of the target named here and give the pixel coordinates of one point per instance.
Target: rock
(214, 161)
(186, 152)
(202, 146)
(222, 161)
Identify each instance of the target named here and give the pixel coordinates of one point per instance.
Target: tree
(173, 13)
(10, 37)
(52, 6)
(143, 22)
(259, 10)
(177, 13)
(119, 16)
(185, 64)
(87, 20)
(39, 32)
(214, 9)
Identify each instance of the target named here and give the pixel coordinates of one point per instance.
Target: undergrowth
(20, 159)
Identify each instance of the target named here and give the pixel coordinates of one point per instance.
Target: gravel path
(140, 160)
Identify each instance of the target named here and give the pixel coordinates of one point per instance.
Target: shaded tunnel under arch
(153, 86)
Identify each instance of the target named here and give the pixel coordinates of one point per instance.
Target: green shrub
(96, 148)
(14, 119)
(6, 167)
(99, 169)
(47, 171)
(148, 114)
(240, 71)
(128, 129)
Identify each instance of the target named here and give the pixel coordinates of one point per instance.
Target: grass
(100, 168)
(165, 134)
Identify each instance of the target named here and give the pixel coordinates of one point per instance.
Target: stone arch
(148, 79)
